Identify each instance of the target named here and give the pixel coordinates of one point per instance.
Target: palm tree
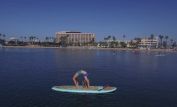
(108, 42)
(113, 42)
(138, 40)
(114, 38)
(50, 38)
(124, 36)
(25, 38)
(109, 37)
(166, 43)
(171, 42)
(152, 36)
(161, 39)
(174, 44)
(105, 38)
(32, 38)
(47, 39)
(55, 39)
(3, 36)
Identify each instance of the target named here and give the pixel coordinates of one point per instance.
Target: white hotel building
(75, 37)
(149, 43)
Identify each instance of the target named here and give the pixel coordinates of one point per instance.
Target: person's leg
(87, 81)
(84, 84)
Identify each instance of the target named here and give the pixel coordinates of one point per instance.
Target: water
(143, 79)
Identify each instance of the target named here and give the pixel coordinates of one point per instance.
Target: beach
(96, 48)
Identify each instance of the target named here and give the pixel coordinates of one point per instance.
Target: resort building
(74, 37)
(149, 43)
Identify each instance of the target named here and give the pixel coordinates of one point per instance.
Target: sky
(133, 18)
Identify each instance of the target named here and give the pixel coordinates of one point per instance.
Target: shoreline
(94, 48)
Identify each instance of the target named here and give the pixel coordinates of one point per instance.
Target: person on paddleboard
(83, 73)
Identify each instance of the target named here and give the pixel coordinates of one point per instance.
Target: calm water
(143, 79)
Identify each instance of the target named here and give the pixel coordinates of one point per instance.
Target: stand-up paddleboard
(80, 89)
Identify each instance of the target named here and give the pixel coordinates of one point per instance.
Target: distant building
(75, 37)
(149, 43)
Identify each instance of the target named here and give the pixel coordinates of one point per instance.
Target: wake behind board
(80, 89)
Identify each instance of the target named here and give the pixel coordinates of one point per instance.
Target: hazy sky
(134, 18)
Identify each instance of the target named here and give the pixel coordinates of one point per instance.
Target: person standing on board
(84, 74)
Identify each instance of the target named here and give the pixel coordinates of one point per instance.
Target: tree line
(112, 42)
(27, 40)
(108, 41)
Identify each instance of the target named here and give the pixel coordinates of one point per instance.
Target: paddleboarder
(85, 75)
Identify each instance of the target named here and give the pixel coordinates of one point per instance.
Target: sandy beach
(95, 48)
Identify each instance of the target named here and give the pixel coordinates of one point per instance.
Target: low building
(149, 43)
(75, 37)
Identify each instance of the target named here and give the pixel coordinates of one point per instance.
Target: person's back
(84, 74)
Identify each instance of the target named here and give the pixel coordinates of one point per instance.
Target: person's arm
(75, 81)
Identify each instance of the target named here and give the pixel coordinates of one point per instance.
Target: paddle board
(80, 89)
